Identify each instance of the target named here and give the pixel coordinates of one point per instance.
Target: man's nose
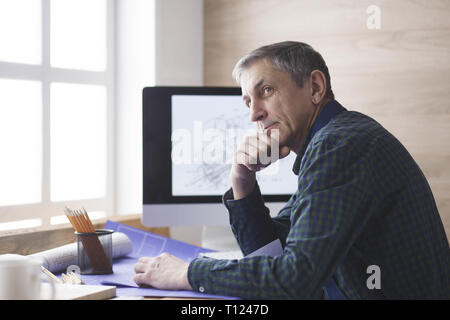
(257, 112)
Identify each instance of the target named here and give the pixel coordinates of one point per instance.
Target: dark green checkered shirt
(361, 201)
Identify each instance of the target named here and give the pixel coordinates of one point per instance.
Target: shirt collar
(329, 111)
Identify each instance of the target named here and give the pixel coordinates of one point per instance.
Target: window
(56, 110)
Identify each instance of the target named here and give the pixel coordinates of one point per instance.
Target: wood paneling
(399, 74)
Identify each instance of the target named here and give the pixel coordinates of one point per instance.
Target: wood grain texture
(399, 74)
(74, 292)
(30, 241)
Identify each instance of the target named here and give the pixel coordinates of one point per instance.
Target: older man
(363, 223)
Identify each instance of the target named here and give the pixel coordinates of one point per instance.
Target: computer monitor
(190, 135)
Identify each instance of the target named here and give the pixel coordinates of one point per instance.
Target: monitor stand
(219, 238)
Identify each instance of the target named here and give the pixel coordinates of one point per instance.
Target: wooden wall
(398, 74)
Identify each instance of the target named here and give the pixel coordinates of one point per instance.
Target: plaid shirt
(361, 201)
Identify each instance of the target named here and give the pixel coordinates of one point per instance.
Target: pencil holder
(95, 252)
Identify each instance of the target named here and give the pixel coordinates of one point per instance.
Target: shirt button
(201, 289)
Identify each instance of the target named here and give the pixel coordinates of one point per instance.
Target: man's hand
(255, 153)
(162, 272)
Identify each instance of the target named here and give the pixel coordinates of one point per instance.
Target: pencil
(94, 250)
(51, 275)
(88, 220)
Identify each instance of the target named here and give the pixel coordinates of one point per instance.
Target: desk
(29, 241)
(86, 292)
(40, 239)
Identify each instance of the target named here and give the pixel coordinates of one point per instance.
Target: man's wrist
(242, 181)
(185, 280)
(241, 191)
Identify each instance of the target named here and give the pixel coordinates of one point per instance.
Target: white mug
(20, 278)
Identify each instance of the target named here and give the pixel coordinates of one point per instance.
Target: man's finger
(140, 279)
(264, 148)
(264, 138)
(140, 267)
(244, 157)
(251, 149)
(275, 151)
(284, 152)
(144, 259)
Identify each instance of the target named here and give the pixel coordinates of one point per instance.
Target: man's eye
(267, 90)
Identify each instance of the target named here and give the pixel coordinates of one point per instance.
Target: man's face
(276, 102)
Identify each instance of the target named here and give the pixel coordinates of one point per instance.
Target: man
(363, 223)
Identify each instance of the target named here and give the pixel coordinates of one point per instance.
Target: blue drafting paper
(145, 244)
(149, 244)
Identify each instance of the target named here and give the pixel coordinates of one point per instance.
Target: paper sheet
(58, 259)
(272, 249)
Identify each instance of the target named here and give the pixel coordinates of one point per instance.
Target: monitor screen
(206, 131)
(190, 135)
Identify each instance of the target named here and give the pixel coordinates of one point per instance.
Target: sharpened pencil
(51, 275)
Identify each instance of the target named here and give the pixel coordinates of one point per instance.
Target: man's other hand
(162, 272)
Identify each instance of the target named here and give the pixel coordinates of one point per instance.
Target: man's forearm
(250, 220)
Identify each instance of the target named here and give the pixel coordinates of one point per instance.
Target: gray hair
(297, 59)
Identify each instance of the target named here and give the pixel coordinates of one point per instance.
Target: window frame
(44, 73)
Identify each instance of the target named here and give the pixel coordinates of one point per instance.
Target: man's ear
(318, 86)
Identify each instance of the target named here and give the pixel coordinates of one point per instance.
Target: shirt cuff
(199, 275)
(250, 203)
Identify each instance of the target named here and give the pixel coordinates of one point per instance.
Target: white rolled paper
(58, 259)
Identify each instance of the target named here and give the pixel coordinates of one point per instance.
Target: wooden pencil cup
(95, 252)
